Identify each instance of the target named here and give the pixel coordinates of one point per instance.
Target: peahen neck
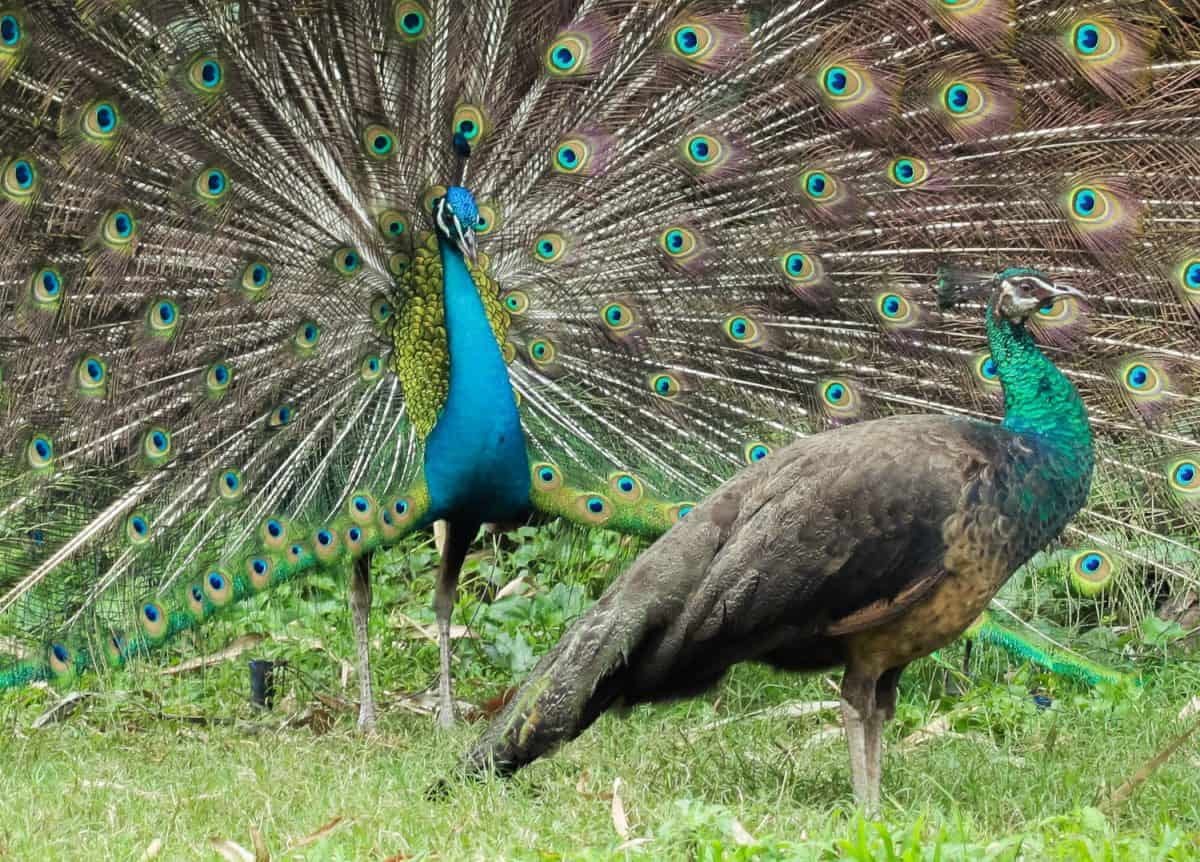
(476, 466)
(1038, 398)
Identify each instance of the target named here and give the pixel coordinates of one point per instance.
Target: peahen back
(705, 228)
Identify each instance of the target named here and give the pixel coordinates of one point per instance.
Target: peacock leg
(454, 551)
(858, 707)
(884, 710)
(360, 608)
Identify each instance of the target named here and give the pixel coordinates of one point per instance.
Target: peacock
(844, 548)
(285, 280)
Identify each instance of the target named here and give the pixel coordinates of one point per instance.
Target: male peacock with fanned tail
(259, 320)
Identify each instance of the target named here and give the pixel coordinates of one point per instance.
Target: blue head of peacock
(455, 217)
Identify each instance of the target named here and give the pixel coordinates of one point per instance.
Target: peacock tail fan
(704, 228)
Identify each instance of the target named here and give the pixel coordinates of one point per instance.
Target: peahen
(285, 281)
(868, 546)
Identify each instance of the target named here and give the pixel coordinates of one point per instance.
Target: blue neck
(476, 466)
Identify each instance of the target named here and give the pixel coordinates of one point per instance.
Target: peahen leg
(883, 711)
(858, 709)
(454, 551)
(360, 608)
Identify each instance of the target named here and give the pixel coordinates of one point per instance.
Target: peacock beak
(1051, 293)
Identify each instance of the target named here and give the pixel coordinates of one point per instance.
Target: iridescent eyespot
(986, 369)
(347, 261)
(394, 224)
(665, 385)
(896, 311)
(399, 263)
(39, 451)
(704, 153)
(818, 186)
(618, 317)
(516, 302)
(61, 661)
(489, 219)
(471, 123)
(46, 288)
(678, 242)
(908, 171)
(162, 318)
(10, 31)
(412, 20)
(211, 185)
(1140, 378)
(207, 75)
(755, 452)
(693, 41)
(256, 278)
(542, 351)
(1094, 41)
(593, 508)
(549, 248)
(91, 372)
(1189, 276)
(379, 142)
(546, 477)
(137, 529)
(308, 334)
(100, 120)
(218, 587)
(679, 510)
(119, 228)
(281, 416)
(800, 267)
(381, 310)
(217, 378)
(371, 368)
(839, 398)
(1184, 477)
(569, 54)
(229, 484)
(962, 99)
(743, 330)
(626, 487)
(1091, 572)
(259, 570)
(843, 82)
(154, 620)
(573, 156)
(156, 445)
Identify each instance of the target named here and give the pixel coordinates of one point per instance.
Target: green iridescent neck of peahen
(1038, 398)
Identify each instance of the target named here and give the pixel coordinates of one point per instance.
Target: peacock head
(456, 217)
(1020, 293)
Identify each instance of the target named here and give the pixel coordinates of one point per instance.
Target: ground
(1010, 765)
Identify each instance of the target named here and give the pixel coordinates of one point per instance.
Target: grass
(179, 761)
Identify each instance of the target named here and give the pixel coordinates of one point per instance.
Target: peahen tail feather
(704, 227)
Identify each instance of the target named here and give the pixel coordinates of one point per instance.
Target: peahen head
(455, 217)
(1020, 293)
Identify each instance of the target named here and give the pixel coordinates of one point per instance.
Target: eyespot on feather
(1090, 572)
(411, 20)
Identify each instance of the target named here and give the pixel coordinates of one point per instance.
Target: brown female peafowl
(868, 546)
(257, 316)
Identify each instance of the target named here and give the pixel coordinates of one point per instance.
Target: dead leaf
(231, 851)
(61, 710)
(1192, 707)
(261, 853)
(235, 649)
(399, 857)
(152, 850)
(515, 587)
(740, 835)
(582, 783)
(620, 821)
(319, 835)
(430, 632)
